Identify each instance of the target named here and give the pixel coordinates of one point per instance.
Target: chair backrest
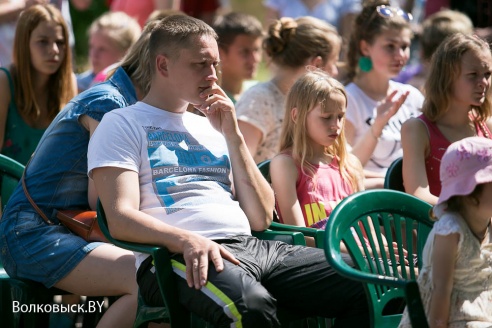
(364, 222)
(394, 176)
(264, 168)
(10, 175)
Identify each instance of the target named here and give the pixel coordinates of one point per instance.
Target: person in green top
(240, 38)
(39, 82)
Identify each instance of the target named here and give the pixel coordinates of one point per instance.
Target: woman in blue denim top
(56, 179)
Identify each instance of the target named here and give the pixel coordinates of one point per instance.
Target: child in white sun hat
(456, 278)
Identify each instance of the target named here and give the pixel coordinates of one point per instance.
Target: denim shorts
(32, 249)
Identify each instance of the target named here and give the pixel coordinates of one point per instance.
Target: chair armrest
(134, 247)
(317, 234)
(292, 238)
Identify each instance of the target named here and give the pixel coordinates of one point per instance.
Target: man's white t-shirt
(183, 166)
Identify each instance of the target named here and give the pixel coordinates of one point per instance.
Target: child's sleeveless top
(438, 145)
(318, 198)
(20, 140)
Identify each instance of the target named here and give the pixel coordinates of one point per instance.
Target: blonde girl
(313, 171)
(457, 105)
(39, 82)
(377, 106)
(110, 37)
(291, 44)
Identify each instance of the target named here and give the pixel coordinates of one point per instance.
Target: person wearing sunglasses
(377, 106)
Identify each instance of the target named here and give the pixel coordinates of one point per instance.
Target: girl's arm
(415, 144)
(4, 104)
(443, 263)
(252, 136)
(10, 10)
(364, 148)
(283, 173)
(90, 125)
(489, 125)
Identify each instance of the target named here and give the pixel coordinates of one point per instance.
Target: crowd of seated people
(339, 105)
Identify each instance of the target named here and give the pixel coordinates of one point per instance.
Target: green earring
(365, 64)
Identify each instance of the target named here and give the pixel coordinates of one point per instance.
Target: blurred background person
(110, 37)
(377, 106)
(39, 82)
(291, 45)
(435, 29)
(240, 38)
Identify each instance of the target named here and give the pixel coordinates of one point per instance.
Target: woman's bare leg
(107, 271)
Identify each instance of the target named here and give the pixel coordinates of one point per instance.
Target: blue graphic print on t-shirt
(177, 159)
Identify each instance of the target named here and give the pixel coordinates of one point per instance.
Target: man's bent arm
(252, 191)
(118, 191)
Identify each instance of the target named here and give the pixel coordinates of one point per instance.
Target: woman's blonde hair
(444, 69)
(61, 88)
(291, 42)
(137, 60)
(122, 29)
(310, 90)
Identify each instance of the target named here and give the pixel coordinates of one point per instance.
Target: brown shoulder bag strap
(29, 198)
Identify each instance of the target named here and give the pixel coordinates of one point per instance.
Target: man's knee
(260, 309)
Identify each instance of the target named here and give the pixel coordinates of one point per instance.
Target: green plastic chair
(401, 218)
(173, 312)
(394, 176)
(10, 172)
(264, 168)
(19, 290)
(22, 290)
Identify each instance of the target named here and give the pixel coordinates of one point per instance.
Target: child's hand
(386, 109)
(397, 254)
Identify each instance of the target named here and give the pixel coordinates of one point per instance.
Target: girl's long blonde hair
(308, 91)
(61, 88)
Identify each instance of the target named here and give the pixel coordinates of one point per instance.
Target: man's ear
(161, 63)
(293, 114)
